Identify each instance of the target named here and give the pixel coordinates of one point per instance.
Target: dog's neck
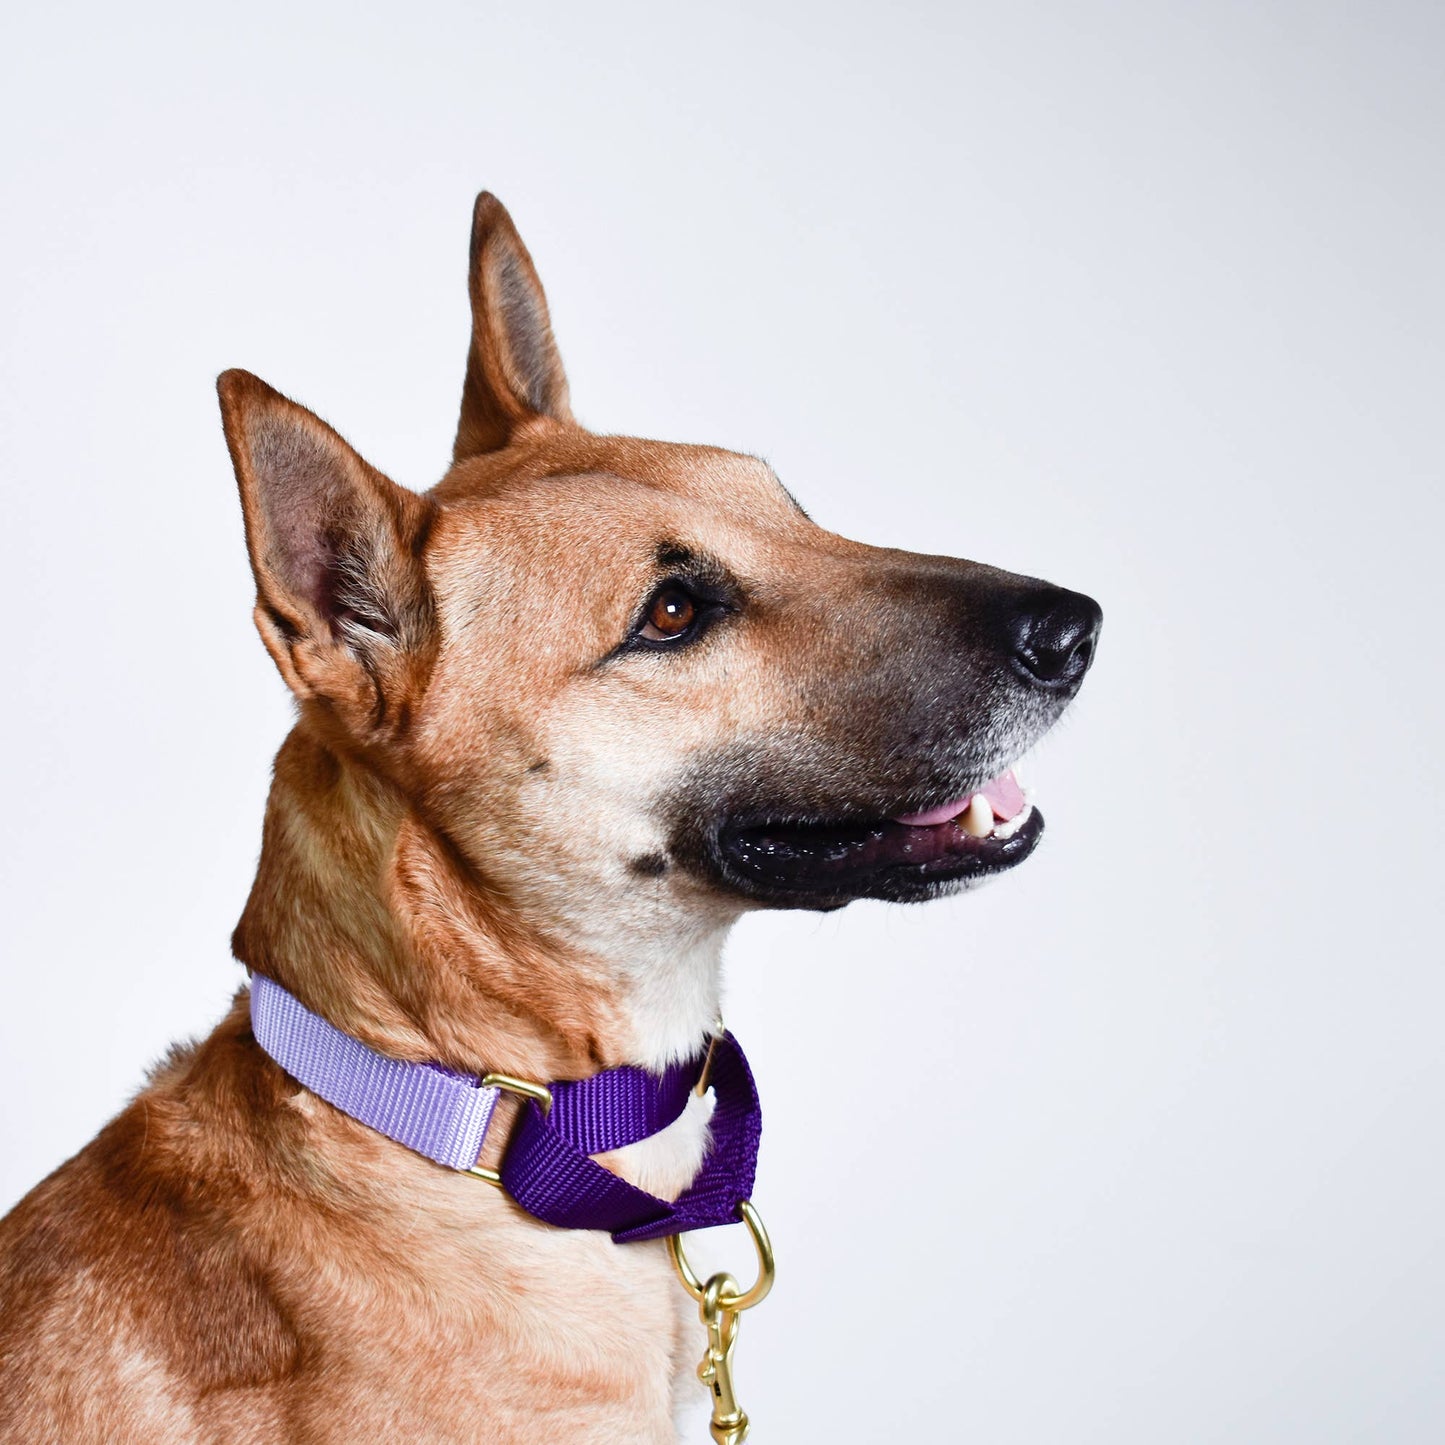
(372, 917)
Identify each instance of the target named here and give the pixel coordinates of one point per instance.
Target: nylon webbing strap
(441, 1114)
(548, 1173)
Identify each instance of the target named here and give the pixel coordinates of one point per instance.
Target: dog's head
(617, 675)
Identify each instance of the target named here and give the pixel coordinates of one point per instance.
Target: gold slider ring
(766, 1268)
(508, 1084)
(525, 1087)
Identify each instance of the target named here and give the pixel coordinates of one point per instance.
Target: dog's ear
(513, 370)
(343, 604)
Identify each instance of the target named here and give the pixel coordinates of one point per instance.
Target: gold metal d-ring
(525, 1087)
(510, 1085)
(734, 1304)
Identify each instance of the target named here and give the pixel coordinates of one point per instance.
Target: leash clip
(729, 1424)
(720, 1302)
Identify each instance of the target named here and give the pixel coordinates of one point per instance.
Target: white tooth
(977, 820)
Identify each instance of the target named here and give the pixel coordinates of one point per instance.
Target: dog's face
(616, 673)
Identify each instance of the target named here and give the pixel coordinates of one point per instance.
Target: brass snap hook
(721, 1301)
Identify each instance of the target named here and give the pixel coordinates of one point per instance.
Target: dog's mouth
(902, 858)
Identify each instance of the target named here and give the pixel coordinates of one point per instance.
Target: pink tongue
(1004, 796)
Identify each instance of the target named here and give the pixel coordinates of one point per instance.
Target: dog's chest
(456, 1318)
(519, 1333)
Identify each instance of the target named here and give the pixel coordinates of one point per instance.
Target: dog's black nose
(1053, 633)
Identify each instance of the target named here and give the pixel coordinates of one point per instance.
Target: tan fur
(464, 859)
(233, 1260)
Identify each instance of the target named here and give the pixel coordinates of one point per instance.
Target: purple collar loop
(547, 1169)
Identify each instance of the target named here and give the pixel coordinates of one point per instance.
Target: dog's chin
(826, 865)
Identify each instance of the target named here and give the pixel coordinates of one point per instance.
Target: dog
(561, 720)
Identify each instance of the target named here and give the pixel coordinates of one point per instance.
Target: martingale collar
(547, 1170)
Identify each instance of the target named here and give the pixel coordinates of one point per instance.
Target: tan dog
(561, 720)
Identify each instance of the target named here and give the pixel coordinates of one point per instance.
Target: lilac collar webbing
(547, 1168)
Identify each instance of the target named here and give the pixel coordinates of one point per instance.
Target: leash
(547, 1168)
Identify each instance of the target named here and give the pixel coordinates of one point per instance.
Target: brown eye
(671, 614)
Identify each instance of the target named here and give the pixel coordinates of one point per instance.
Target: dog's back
(132, 1306)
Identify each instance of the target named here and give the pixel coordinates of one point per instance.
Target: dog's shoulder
(127, 1282)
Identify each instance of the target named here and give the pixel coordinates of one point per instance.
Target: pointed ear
(342, 603)
(513, 370)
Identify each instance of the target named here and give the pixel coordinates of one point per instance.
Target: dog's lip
(824, 864)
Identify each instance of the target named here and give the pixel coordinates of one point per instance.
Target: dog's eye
(680, 611)
(671, 615)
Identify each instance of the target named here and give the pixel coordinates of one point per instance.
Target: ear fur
(342, 603)
(514, 372)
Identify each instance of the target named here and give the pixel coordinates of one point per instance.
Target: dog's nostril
(1053, 633)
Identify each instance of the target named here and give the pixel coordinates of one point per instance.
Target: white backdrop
(1141, 1143)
